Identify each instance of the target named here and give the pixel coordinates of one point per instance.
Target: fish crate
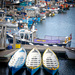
(9, 47)
(18, 46)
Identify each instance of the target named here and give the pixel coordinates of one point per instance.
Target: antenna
(33, 24)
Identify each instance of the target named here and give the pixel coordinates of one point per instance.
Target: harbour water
(59, 25)
(67, 67)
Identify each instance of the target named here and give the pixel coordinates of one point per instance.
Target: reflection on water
(67, 67)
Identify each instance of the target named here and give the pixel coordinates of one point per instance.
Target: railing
(61, 38)
(14, 40)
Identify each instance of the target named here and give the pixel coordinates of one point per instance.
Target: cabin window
(22, 31)
(30, 37)
(21, 35)
(26, 36)
(0, 15)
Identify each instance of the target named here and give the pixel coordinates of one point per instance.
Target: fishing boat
(17, 60)
(50, 61)
(9, 17)
(9, 24)
(33, 61)
(70, 53)
(23, 36)
(43, 16)
(55, 10)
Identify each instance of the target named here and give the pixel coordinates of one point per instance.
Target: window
(21, 35)
(0, 15)
(26, 36)
(22, 31)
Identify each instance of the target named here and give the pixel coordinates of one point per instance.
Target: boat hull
(33, 71)
(10, 39)
(44, 17)
(51, 71)
(14, 70)
(70, 54)
(19, 63)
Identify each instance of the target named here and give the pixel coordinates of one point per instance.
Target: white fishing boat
(54, 9)
(70, 53)
(17, 60)
(33, 61)
(43, 16)
(50, 61)
(9, 24)
(23, 36)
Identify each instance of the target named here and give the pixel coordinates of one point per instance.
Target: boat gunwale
(16, 52)
(71, 49)
(56, 58)
(40, 60)
(17, 68)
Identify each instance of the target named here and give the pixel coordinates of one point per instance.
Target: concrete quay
(5, 55)
(42, 48)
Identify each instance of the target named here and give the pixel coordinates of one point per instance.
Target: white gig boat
(50, 61)
(17, 60)
(33, 61)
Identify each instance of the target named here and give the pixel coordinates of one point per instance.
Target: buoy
(22, 26)
(23, 18)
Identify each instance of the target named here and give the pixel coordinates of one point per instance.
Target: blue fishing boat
(33, 61)
(17, 60)
(10, 17)
(50, 61)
